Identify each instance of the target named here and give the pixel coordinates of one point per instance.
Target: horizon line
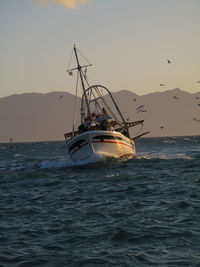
(41, 93)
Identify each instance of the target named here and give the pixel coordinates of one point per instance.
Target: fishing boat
(102, 132)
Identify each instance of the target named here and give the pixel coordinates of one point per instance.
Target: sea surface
(139, 212)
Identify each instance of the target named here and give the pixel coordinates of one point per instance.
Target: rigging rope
(99, 93)
(83, 56)
(75, 104)
(105, 103)
(91, 93)
(70, 59)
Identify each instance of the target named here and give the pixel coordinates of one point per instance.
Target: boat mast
(82, 82)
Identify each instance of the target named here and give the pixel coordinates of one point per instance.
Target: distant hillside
(176, 111)
(40, 117)
(36, 117)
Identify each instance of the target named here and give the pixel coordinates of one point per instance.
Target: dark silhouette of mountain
(41, 117)
(36, 117)
(176, 116)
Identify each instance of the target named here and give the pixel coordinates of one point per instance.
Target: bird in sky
(161, 84)
(168, 61)
(194, 119)
(142, 106)
(141, 110)
(175, 97)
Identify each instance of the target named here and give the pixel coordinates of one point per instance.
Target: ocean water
(139, 212)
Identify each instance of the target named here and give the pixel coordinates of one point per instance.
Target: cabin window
(119, 138)
(104, 137)
(77, 144)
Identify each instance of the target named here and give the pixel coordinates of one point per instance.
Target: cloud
(67, 3)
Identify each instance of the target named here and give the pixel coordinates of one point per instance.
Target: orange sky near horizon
(127, 41)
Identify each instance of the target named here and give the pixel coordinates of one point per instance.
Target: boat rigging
(103, 131)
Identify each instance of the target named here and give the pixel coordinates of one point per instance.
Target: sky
(128, 43)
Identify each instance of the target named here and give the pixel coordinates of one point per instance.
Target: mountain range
(46, 117)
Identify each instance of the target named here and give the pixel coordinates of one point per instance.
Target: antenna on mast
(82, 76)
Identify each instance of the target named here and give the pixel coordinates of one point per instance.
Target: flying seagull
(175, 97)
(140, 107)
(141, 110)
(194, 119)
(168, 61)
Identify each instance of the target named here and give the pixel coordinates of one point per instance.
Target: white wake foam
(68, 163)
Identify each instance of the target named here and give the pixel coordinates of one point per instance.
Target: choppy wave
(170, 141)
(163, 156)
(66, 163)
(137, 212)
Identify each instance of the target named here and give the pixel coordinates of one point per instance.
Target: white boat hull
(100, 144)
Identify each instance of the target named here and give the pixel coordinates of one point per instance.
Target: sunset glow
(128, 43)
